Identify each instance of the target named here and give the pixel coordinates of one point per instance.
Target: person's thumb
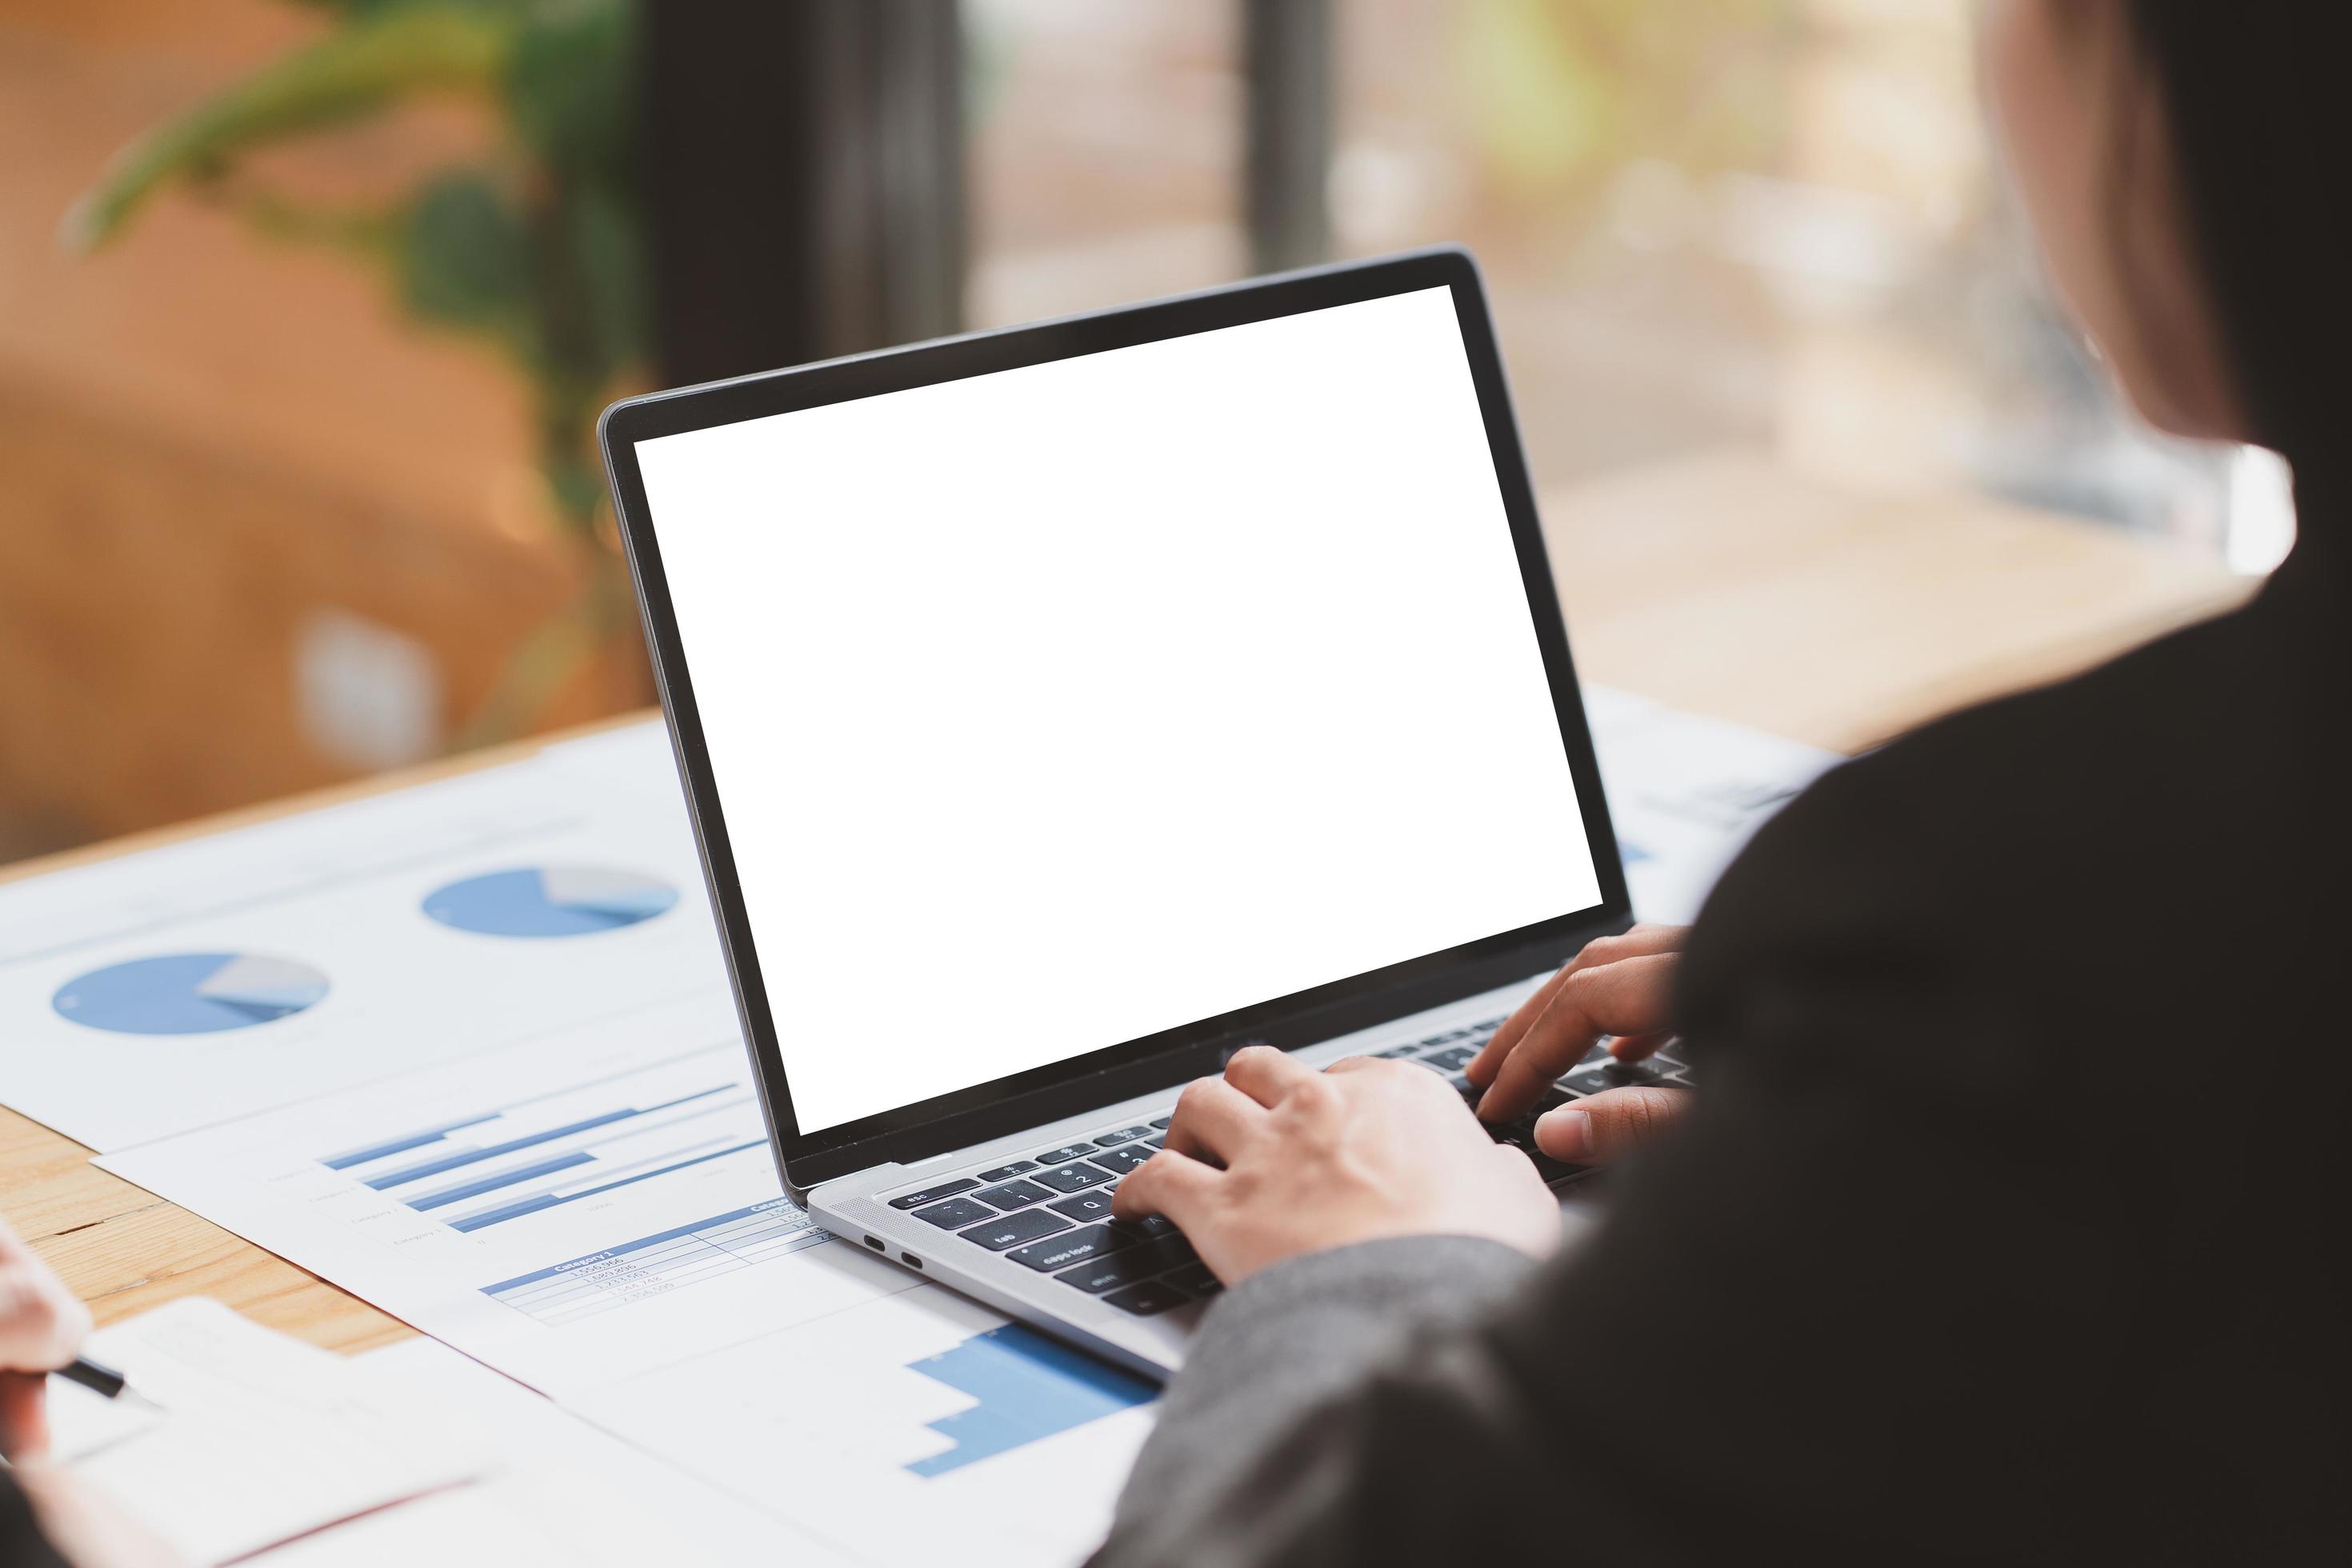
(1611, 1124)
(41, 1323)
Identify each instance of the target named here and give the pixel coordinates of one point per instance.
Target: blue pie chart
(190, 994)
(549, 900)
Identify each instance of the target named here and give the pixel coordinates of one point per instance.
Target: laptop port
(910, 1261)
(875, 1242)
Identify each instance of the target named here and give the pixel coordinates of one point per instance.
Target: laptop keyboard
(1051, 1212)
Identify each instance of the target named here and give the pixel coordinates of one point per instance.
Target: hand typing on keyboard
(1620, 985)
(1275, 1159)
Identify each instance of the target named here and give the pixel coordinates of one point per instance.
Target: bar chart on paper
(979, 1441)
(660, 1124)
(1024, 1388)
(561, 1210)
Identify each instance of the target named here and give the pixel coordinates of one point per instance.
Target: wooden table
(1723, 585)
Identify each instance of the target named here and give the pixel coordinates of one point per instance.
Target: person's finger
(24, 1415)
(41, 1323)
(1170, 1183)
(1642, 941)
(1639, 1047)
(1264, 1074)
(1630, 996)
(1482, 1067)
(1607, 1126)
(1212, 1120)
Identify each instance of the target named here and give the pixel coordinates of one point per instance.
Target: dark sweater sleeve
(1293, 1337)
(22, 1544)
(1868, 1277)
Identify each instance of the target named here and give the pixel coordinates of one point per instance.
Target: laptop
(1061, 708)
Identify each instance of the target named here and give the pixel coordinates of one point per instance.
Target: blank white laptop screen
(1057, 707)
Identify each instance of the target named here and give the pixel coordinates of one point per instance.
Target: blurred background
(307, 309)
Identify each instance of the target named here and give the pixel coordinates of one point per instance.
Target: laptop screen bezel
(1005, 1106)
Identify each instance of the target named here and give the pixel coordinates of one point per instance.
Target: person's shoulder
(1957, 844)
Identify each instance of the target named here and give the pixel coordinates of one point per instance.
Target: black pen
(100, 1379)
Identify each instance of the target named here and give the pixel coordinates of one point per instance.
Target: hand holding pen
(41, 1327)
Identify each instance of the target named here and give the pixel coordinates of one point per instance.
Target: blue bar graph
(1029, 1387)
(402, 1144)
(491, 1152)
(669, 1123)
(652, 1264)
(503, 1179)
(549, 1200)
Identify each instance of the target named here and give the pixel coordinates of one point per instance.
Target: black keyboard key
(932, 1195)
(1066, 1153)
(1087, 1206)
(1012, 1195)
(1147, 1300)
(1012, 1230)
(1149, 1226)
(1619, 1075)
(1015, 1169)
(1122, 1161)
(1102, 1274)
(1520, 1134)
(1397, 1051)
(954, 1213)
(1449, 1059)
(1197, 1281)
(1124, 1135)
(1060, 1252)
(1554, 1173)
(1163, 1123)
(1072, 1178)
(1131, 1266)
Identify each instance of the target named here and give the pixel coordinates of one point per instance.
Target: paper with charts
(568, 1210)
(187, 985)
(620, 1242)
(913, 1431)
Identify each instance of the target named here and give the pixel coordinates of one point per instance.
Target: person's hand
(41, 1327)
(1620, 985)
(1275, 1159)
(84, 1524)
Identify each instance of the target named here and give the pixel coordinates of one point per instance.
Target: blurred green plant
(1564, 93)
(535, 249)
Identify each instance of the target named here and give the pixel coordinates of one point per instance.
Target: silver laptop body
(1063, 708)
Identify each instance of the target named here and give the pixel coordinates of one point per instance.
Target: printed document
(183, 987)
(570, 1210)
(258, 1438)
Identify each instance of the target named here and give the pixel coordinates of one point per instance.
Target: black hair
(2261, 115)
